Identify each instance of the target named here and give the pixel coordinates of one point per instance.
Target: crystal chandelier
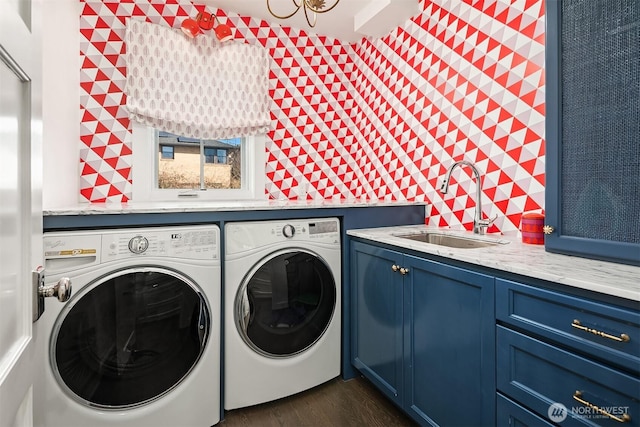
(311, 9)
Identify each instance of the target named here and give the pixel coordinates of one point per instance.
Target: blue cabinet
(592, 127)
(424, 333)
(457, 346)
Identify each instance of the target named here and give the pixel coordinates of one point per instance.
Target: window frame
(144, 171)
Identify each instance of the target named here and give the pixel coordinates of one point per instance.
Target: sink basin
(452, 241)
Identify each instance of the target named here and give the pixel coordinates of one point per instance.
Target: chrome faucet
(479, 225)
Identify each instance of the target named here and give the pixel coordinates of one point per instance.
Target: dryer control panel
(247, 236)
(325, 229)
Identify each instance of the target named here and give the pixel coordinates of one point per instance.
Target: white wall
(61, 103)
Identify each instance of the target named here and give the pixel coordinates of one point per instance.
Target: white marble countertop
(213, 206)
(524, 259)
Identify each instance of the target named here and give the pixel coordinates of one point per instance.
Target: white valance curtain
(199, 88)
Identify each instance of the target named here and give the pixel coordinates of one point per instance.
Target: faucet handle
(488, 221)
(483, 224)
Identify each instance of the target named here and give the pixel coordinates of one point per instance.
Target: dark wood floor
(336, 403)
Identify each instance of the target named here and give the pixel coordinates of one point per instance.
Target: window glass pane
(209, 155)
(166, 151)
(221, 156)
(217, 163)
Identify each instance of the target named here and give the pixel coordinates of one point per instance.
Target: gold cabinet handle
(402, 270)
(548, 229)
(578, 397)
(622, 338)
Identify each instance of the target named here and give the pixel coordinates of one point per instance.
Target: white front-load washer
(138, 342)
(282, 308)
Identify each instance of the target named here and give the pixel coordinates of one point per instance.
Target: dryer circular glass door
(130, 337)
(285, 303)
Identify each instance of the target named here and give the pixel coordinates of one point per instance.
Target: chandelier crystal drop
(311, 9)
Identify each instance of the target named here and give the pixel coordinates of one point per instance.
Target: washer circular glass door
(129, 337)
(285, 303)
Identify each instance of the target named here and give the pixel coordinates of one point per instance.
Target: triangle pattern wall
(377, 119)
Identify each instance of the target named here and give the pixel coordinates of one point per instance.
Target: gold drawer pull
(622, 338)
(578, 396)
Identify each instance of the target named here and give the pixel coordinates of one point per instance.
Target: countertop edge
(218, 206)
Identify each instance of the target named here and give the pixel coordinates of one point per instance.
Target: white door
(20, 203)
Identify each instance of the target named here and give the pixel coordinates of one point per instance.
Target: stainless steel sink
(452, 241)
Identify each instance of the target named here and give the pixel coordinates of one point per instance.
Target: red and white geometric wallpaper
(377, 119)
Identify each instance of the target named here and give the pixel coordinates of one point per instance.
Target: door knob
(61, 290)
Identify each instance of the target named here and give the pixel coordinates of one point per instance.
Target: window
(204, 169)
(217, 155)
(166, 152)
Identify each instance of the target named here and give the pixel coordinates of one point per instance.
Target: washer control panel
(77, 249)
(191, 243)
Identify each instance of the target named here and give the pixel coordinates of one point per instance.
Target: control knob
(138, 244)
(288, 231)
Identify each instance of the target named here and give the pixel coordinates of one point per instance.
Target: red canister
(531, 228)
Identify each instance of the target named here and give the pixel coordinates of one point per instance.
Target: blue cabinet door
(376, 317)
(592, 127)
(449, 344)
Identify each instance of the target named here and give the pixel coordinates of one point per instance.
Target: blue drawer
(545, 379)
(608, 333)
(509, 413)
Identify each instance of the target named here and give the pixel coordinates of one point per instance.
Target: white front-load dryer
(138, 342)
(282, 308)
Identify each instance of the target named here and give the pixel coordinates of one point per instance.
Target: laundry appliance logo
(54, 244)
(557, 412)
